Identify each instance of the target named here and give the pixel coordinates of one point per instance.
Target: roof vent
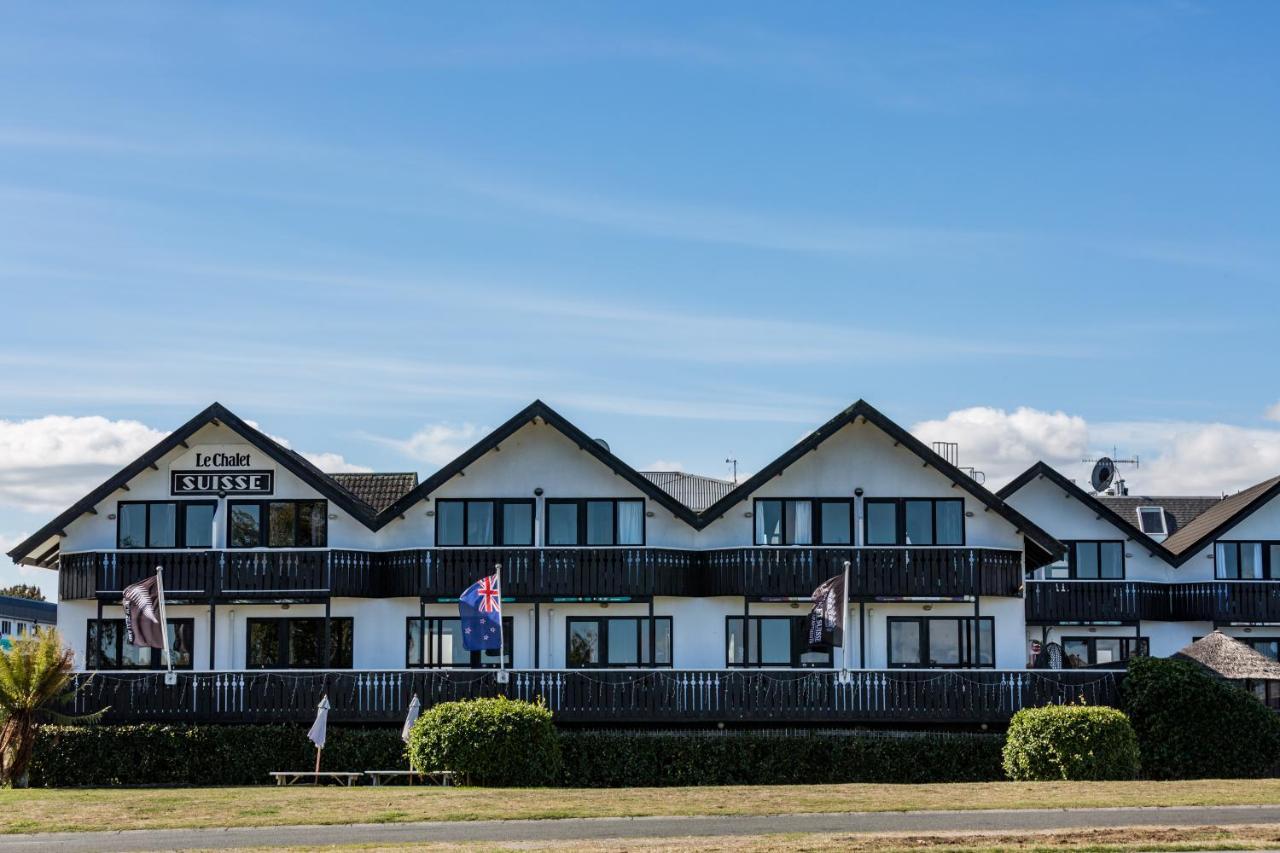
(604, 444)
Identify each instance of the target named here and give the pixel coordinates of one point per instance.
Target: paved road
(643, 827)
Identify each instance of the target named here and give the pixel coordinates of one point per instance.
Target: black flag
(826, 619)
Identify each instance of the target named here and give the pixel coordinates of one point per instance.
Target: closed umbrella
(415, 708)
(320, 728)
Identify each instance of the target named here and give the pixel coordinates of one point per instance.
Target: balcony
(1226, 601)
(1054, 601)
(547, 574)
(599, 697)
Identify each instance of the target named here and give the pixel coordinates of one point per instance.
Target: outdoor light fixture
(538, 492)
(747, 514)
(111, 516)
(649, 514)
(333, 516)
(858, 492)
(969, 514)
(430, 513)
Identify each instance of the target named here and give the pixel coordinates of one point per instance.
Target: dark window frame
(1073, 570)
(1143, 644)
(1269, 570)
(264, 521)
(282, 641)
(179, 520)
(581, 525)
(966, 642)
(499, 509)
(900, 521)
(817, 538)
(799, 643)
(642, 630)
(91, 647)
(477, 658)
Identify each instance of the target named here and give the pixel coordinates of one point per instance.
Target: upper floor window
(914, 521)
(1090, 560)
(165, 524)
(787, 521)
(278, 524)
(484, 522)
(617, 641)
(437, 642)
(298, 643)
(595, 521)
(781, 641)
(107, 647)
(1151, 521)
(939, 641)
(1246, 560)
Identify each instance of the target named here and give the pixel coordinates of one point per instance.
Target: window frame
(1143, 644)
(477, 658)
(179, 521)
(642, 628)
(816, 534)
(581, 522)
(900, 521)
(91, 646)
(264, 522)
(1270, 571)
(1073, 570)
(1164, 521)
(499, 511)
(282, 641)
(798, 633)
(966, 651)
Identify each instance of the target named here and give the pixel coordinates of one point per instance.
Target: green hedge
(154, 754)
(1070, 742)
(500, 742)
(1190, 725)
(595, 759)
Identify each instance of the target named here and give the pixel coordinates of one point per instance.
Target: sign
(217, 469)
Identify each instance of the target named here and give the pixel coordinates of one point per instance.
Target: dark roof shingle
(379, 491)
(693, 490)
(1179, 510)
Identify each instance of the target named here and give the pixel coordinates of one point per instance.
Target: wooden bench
(445, 778)
(293, 777)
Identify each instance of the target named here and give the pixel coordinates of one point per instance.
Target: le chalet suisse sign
(221, 470)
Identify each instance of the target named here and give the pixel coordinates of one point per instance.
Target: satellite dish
(1104, 471)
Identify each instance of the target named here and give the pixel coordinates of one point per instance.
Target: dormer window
(1151, 521)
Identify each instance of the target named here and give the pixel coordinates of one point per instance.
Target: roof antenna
(732, 461)
(1105, 474)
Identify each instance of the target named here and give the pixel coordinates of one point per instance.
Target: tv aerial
(1105, 472)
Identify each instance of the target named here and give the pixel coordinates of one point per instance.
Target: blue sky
(696, 231)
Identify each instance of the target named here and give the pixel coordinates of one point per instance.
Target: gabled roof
(1051, 547)
(1227, 513)
(216, 413)
(377, 490)
(1041, 469)
(1179, 510)
(540, 410)
(693, 490)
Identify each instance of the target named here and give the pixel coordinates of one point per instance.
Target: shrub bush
(1070, 742)
(154, 754)
(491, 741)
(1191, 725)
(597, 759)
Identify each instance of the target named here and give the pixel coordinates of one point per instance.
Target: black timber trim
(537, 409)
(862, 409)
(1182, 555)
(288, 459)
(1042, 469)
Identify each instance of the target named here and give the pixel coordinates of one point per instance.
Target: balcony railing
(1227, 601)
(545, 573)
(612, 697)
(1095, 601)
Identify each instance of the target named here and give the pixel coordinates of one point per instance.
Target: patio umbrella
(415, 708)
(320, 728)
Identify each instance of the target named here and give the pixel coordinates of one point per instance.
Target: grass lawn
(44, 810)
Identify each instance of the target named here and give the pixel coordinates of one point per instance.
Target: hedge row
(153, 754)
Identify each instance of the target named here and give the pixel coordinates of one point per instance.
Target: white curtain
(630, 522)
(801, 522)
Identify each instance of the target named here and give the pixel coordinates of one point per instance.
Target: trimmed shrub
(499, 741)
(1191, 725)
(1070, 742)
(601, 759)
(158, 754)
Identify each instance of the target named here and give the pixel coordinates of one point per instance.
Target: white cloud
(1003, 444)
(1210, 458)
(330, 463)
(663, 465)
(437, 443)
(1273, 412)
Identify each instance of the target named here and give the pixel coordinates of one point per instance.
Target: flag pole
(844, 621)
(502, 638)
(164, 623)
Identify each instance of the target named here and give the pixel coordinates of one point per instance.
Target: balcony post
(213, 623)
(328, 652)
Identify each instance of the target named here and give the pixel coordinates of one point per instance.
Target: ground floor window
(939, 641)
(617, 641)
(771, 641)
(298, 643)
(1102, 651)
(436, 642)
(107, 647)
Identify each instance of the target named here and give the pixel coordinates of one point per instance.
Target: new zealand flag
(481, 610)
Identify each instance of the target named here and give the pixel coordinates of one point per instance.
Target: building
(21, 617)
(629, 597)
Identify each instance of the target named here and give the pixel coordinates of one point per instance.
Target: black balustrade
(1050, 601)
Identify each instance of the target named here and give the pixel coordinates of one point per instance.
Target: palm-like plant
(35, 678)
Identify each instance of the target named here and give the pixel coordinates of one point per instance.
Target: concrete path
(643, 827)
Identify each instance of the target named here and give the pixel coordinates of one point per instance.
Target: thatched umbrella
(1231, 660)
